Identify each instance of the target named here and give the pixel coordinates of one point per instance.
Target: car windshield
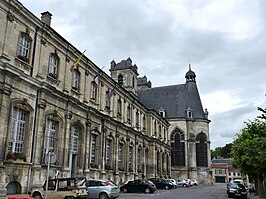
(237, 186)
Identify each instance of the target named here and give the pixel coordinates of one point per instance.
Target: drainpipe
(34, 49)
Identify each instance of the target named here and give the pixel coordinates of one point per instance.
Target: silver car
(101, 189)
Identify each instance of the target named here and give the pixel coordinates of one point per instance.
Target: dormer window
(189, 112)
(162, 112)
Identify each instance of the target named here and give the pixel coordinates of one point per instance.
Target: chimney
(46, 18)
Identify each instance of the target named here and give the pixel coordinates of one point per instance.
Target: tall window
(130, 158)
(17, 135)
(177, 148)
(121, 155)
(108, 100)
(53, 65)
(109, 151)
(76, 79)
(139, 161)
(137, 119)
(129, 113)
(51, 136)
(93, 90)
(93, 148)
(158, 162)
(120, 80)
(75, 131)
(201, 150)
(155, 128)
(24, 47)
(119, 107)
(144, 123)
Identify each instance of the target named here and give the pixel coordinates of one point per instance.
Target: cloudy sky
(223, 40)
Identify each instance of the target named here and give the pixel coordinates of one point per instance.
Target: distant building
(92, 125)
(223, 171)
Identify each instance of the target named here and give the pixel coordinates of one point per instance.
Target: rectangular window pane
(17, 135)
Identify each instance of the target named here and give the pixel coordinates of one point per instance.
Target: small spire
(189, 66)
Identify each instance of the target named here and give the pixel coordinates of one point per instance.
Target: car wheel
(147, 190)
(125, 190)
(184, 185)
(103, 196)
(166, 187)
(69, 197)
(37, 196)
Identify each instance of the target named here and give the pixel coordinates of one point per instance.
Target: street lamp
(48, 160)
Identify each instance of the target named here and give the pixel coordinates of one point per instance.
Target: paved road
(216, 191)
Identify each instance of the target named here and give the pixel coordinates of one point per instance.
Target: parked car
(182, 183)
(161, 183)
(188, 182)
(236, 190)
(145, 186)
(194, 182)
(60, 188)
(100, 189)
(173, 181)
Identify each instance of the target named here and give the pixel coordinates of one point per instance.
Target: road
(216, 191)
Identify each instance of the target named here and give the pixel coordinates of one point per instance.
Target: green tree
(223, 152)
(249, 152)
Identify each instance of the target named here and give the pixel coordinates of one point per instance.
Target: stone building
(54, 101)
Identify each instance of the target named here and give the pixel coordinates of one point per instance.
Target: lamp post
(48, 161)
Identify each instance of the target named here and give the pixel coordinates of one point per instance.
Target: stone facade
(48, 109)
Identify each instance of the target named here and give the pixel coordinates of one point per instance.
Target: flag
(72, 67)
(96, 79)
(111, 93)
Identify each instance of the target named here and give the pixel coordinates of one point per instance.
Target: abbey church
(55, 102)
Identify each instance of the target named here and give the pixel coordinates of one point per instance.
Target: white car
(60, 188)
(194, 182)
(182, 183)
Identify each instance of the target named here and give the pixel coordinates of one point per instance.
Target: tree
(249, 152)
(223, 152)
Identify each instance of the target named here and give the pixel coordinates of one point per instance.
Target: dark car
(145, 186)
(236, 190)
(161, 183)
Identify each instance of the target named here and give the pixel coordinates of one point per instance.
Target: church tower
(125, 74)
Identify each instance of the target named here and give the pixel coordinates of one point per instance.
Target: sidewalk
(252, 196)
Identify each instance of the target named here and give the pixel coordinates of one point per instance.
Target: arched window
(121, 156)
(177, 148)
(75, 131)
(120, 80)
(201, 150)
(139, 167)
(51, 136)
(130, 158)
(93, 150)
(75, 153)
(109, 153)
(18, 131)
(158, 162)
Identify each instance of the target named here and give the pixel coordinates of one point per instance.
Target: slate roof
(174, 99)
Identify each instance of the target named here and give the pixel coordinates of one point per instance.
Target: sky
(223, 40)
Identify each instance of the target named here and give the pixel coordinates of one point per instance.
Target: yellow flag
(72, 67)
